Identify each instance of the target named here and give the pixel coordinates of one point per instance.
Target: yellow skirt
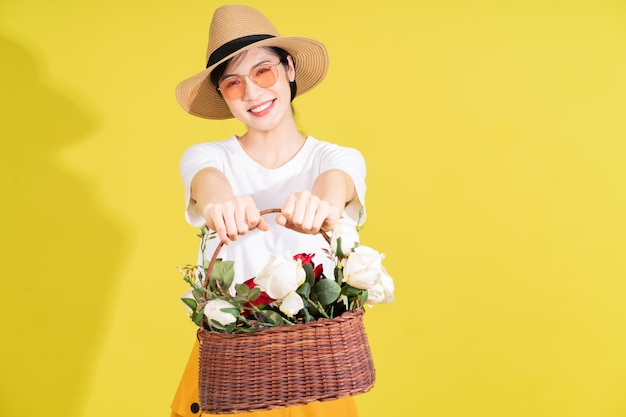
(187, 404)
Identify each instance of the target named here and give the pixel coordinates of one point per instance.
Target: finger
(254, 217)
(220, 226)
(314, 211)
(288, 207)
(300, 208)
(241, 221)
(263, 225)
(321, 216)
(281, 220)
(231, 225)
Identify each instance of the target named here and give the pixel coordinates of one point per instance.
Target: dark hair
(217, 73)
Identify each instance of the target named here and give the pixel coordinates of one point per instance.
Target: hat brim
(200, 98)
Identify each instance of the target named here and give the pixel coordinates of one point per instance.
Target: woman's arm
(227, 214)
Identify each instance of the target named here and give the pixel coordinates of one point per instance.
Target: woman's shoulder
(325, 147)
(218, 144)
(224, 145)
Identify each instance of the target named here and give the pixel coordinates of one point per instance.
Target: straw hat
(237, 28)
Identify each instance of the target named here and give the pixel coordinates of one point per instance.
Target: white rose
(213, 311)
(381, 293)
(291, 304)
(346, 230)
(281, 276)
(363, 269)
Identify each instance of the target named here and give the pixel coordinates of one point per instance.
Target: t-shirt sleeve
(196, 158)
(351, 161)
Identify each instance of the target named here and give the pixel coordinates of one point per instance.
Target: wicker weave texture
(285, 365)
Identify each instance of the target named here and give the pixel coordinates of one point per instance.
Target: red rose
(262, 299)
(317, 272)
(307, 258)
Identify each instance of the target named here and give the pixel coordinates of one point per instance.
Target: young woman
(253, 74)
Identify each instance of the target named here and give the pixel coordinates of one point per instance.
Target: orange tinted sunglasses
(234, 86)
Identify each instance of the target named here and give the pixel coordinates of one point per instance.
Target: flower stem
(317, 304)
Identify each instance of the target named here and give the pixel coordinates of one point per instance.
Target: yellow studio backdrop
(494, 134)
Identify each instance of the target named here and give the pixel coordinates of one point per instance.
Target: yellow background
(494, 136)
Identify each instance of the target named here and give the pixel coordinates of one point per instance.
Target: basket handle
(209, 269)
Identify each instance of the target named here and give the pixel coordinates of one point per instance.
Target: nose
(251, 90)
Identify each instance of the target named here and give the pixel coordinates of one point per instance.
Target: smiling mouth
(262, 107)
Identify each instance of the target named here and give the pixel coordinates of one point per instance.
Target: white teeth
(261, 107)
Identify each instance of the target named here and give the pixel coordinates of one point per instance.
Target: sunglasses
(234, 86)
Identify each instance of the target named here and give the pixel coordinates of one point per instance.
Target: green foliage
(310, 276)
(222, 275)
(322, 296)
(326, 291)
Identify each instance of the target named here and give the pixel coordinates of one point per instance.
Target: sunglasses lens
(264, 75)
(232, 87)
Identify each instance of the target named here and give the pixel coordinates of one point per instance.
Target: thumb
(262, 225)
(281, 219)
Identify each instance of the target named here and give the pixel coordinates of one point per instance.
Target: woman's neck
(272, 149)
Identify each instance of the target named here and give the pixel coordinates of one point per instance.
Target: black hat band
(233, 46)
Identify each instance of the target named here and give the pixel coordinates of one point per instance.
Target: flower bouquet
(291, 335)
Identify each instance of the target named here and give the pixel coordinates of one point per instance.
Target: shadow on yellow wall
(53, 257)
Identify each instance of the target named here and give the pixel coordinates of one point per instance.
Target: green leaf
(360, 226)
(197, 293)
(345, 301)
(272, 317)
(238, 299)
(307, 315)
(230, 327)
(338, 275)
(304, 289)
(229, 273)
(229, 310)
(350, 291)
(254, 294)
(242, 289)
(197, 317)
(314, 309)
(224, 273)
(310, 276)
(326, 291)
(339, 251)
(192, 304)
(248, 329)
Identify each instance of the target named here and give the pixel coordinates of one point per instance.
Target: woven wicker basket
(284, 366)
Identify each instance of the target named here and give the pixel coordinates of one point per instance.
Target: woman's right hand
(233, 217)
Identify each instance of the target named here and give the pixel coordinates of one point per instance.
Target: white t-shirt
(270, 188)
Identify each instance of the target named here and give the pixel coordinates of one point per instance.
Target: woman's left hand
(307, 213)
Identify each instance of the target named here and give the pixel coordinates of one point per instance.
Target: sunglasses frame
(250, 76)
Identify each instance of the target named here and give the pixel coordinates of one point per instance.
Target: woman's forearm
(335, 187)
(210, 186)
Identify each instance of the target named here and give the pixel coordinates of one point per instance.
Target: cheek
(236, 107)
(285, 90)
